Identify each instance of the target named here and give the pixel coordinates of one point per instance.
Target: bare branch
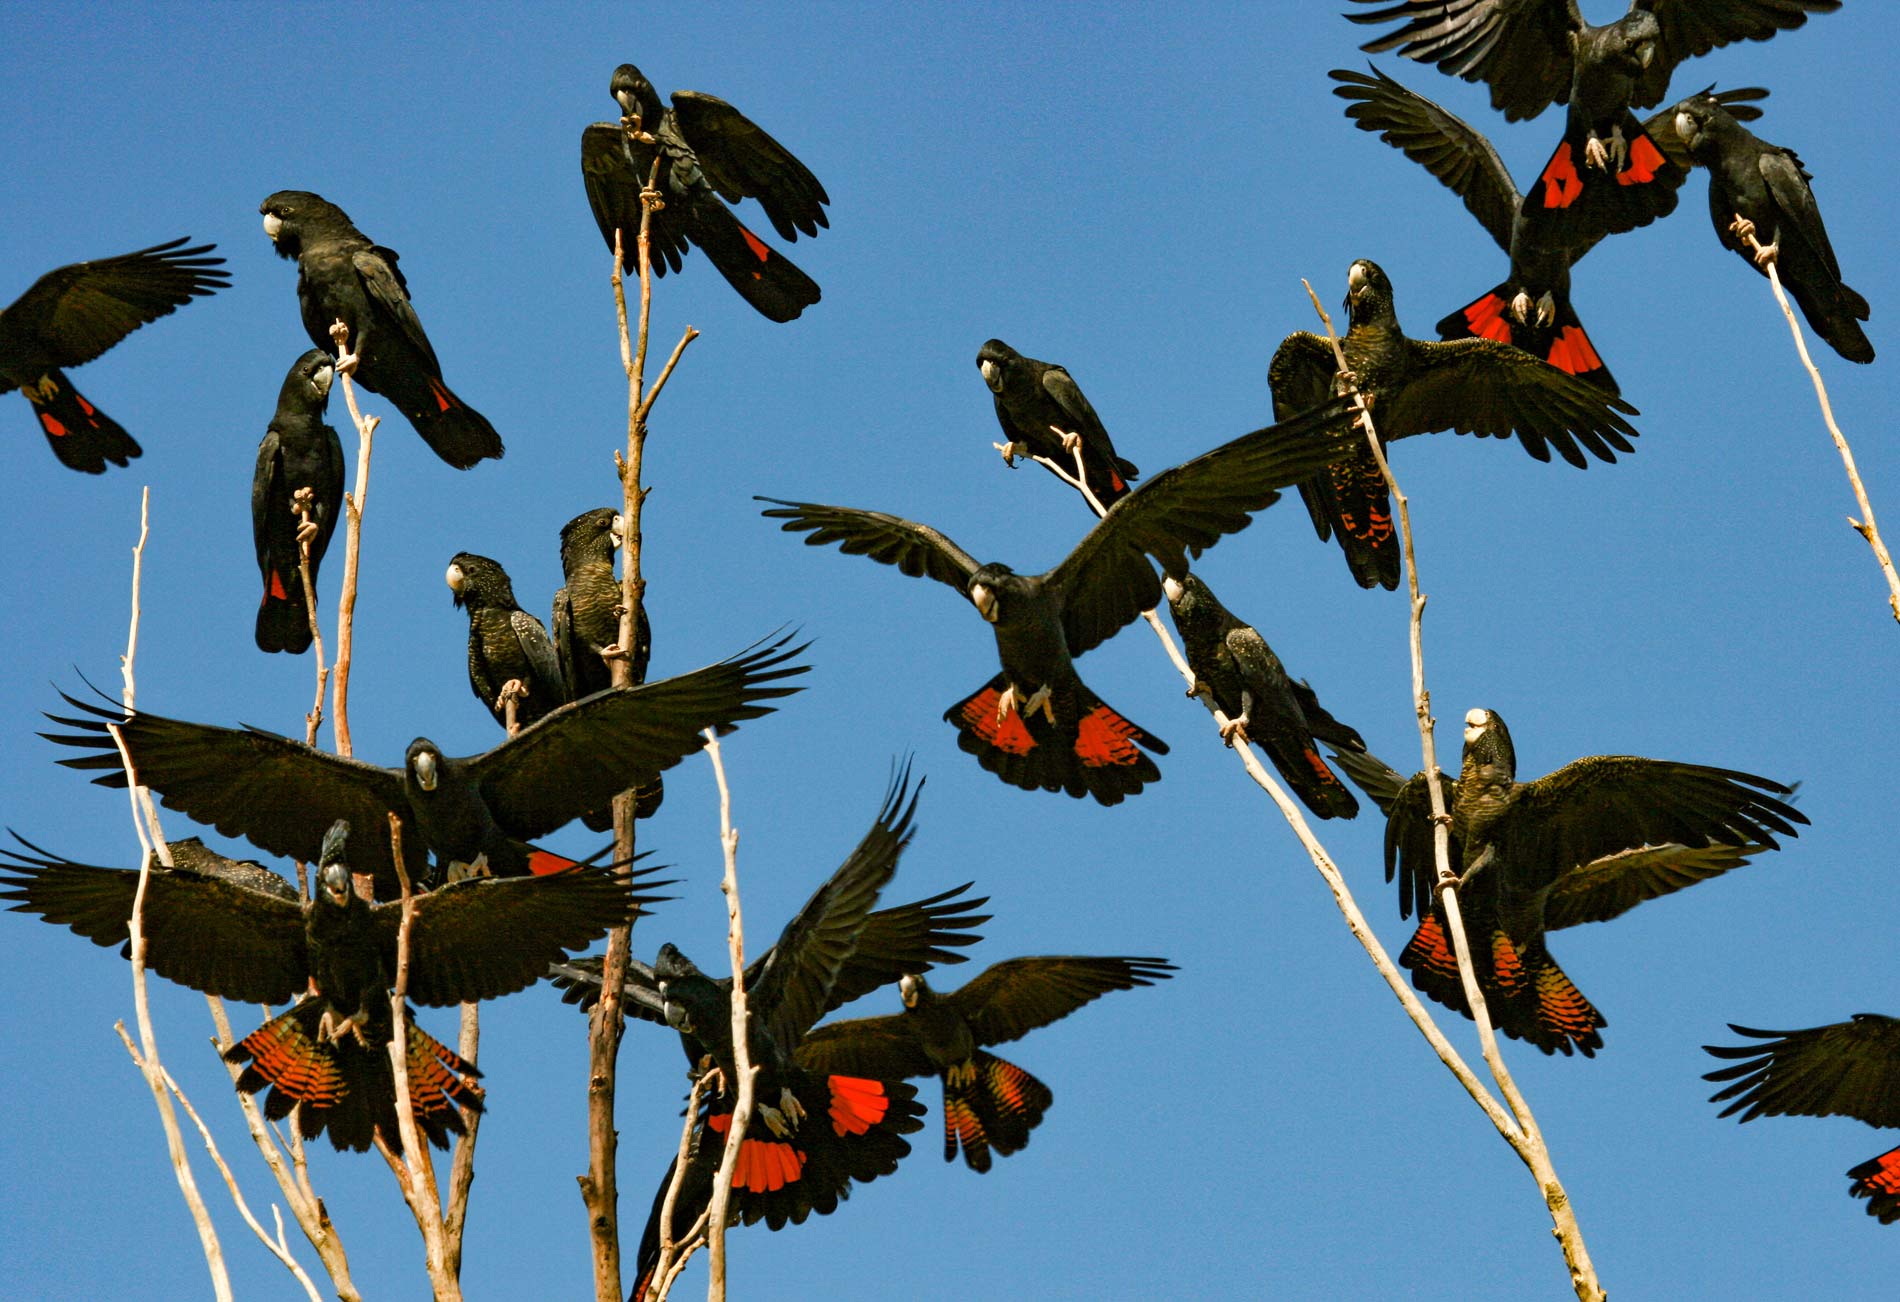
(352, 540)
(1864, 526)
(716, 1213)
(673, 1254)
(303, 500)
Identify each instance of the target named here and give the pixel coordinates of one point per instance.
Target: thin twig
(1526, 1139)
(154, 850)
(277, 1246)
(352, 544)
(1322, 859)
(1864, 526)
(716, 1213)
(302, 501)
(673, 1254)
(462, 1164)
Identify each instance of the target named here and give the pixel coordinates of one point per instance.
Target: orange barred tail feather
(1527, 995)
(81, 436)
(990, 1103)
(1349, 500)
(1088, 749)
(1562, 342)
(1574, 204)
(348, 1089)
(1878, 1181)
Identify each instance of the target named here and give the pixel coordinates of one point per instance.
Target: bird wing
(578, 980)
(563, 625)
(1849, 1069)
(1300, 377)
(1380, 781)
(77, 312)
(909, 939)
(1009, 1000)
(376, 268)
(1439, 142)
(1068, 395)
(1492, 389)
(878, 1048)
(794, 981)
(216, 933)
(1519, 48)
(1788, 183)
(488, 937)
(278, 794)
(743, 161)
(1107, 580)
(615, 168)
(1613, 885)
(577, 758)
(543, 660)
(916, 549)
(1691, 28)
(1608, 803)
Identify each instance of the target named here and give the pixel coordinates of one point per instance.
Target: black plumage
(1583, 844)
(1473, 386)
(299, 451)
(236, 930)
(1044, 413)
(710, 151)
(74, 313)
(281, 794)
(342, 275)
(1535, 53)
(989, 1103)
(586, 624)
(506, 645)
(1848, 1069)
(1036, 725)
(1531, 307)
(1237, 670)
(1767, 188)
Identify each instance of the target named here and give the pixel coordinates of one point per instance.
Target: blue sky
(1136, 196)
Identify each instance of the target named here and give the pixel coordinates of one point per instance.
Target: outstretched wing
(1011, 999)
(1494, 390)
(488, 937)
(579, 983)
(278, 794)
(1613, 885)
(879, 1048)
(916, 549)
(1439, 142)
(742, 161)
(1407, 803)
(223, 934)
(1849, 1069)
(1609, 803)
(77, 312)
(909, 939)
(1519, 48)
(793, 986)
(1691, 28)
(1107, 580)
(577, 758)
(614, 169)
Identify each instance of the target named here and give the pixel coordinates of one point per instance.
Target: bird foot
(1599, 157)
(1345, 382)
(1235, 729)
(512, 690)
(1071, 441)
(1010, 700)
(653, 200)
(1766, 253)
(786, 1117)
(1011, 451)
(1521, 307)
(613, 651)
(960, 1075)
(1200, 688)
(306, 531)
(333, 1028)
(1546, 310)
(346, 364)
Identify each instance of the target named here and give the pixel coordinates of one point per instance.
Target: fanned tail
(81, 436)
(1528, 996)
(990, 1103)
(1089, 749)
(1878, 1181)
(1562, 342)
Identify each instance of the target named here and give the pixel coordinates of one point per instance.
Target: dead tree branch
(673, 1254)
(352, 540)
(716, 1213)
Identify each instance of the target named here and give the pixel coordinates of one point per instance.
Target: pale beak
(984, 599)
(1172, 589)
(425, 771)
(272, 224)
(454, 578)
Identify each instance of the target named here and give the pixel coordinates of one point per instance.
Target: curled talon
(789, 1104)
(613, 651)
(346, 364)
(774, 1120)
(1521, 306)
(1766, 253)
(1011, 451)
(307, 531)
(1546, 310)
(1235, 729)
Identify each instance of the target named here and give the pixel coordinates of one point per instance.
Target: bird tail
(1349, 500)
(348, 1088)
(81, 436)
(764, 277)
(458, 433)
(1529, 997)
(1878, 1181)
(1562, 341)
(1573, 204)
(1089, 748)
(1835, 317)
(283, 620)
(1296, 755)
(990, 1103)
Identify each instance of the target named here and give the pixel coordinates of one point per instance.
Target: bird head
(590, 537)
(913, 990)
(1488, 742)
(333, 872)
(309, 380)
(684, 994)
(1188, 597)
(477, 581)
(1701, 120)
(424, 762)
(1368, 292)
(991, 359)
(291, 214)
(986, 590)
(636, 96)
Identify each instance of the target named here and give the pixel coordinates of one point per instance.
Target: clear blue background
(1136, 196)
